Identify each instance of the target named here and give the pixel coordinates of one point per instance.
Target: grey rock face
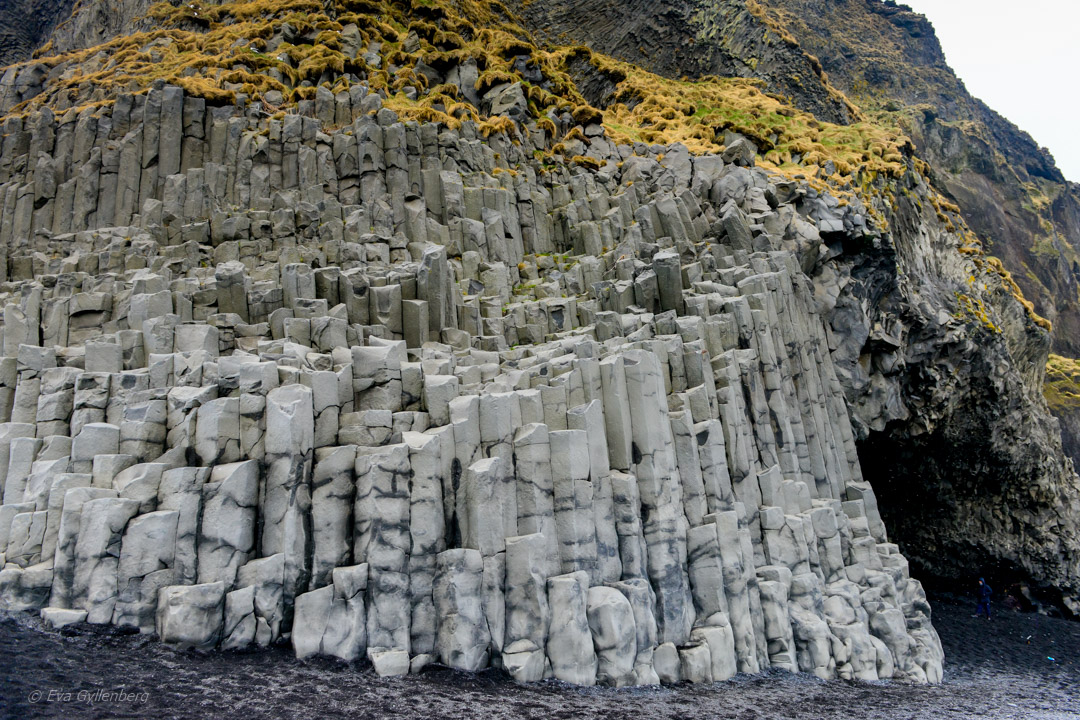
(331, 620)
(286, 491)
(333, 491)
(147, 558)
(25, 25)
(260, 621)
(382, 539)
(611, 621)
(228, 524)
(97, 555)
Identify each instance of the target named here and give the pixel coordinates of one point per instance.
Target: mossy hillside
(654, 109)
(1062, 387)
(293, 46)
(288, 46)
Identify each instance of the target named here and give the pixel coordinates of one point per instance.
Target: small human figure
(984, 599)
(1012, 602)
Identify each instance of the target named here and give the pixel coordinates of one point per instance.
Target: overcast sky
(1023, 60)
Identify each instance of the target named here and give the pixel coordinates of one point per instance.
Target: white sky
(1021, 59)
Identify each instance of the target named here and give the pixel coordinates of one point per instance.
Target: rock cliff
(888, 62)
(629, 419)
(384, 330)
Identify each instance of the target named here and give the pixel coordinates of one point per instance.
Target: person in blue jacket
(984, 599)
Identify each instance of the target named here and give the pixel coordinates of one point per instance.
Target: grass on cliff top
(1062, 387)
(654, 109)
(219, 51)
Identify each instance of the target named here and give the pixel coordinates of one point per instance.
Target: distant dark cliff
(64, 25)
(25, 25)
(887, 59)
(694, 38)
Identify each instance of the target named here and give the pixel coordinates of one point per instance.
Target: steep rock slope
(63, 25)
(91, 23)
(700, 37)
(954, 431)
(888, 60)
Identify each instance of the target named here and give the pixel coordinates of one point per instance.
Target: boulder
(191, 616)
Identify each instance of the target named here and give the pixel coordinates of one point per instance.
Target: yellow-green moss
(1062, 387)
(973, 308)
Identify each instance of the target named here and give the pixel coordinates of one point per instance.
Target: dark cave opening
(937, 495)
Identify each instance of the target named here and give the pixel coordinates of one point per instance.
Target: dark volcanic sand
(993, 671)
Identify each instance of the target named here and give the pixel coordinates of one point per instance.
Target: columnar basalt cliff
(649, 442)
(888, 62)
(371, 334)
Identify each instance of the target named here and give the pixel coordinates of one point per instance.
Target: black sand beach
(996, 669)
